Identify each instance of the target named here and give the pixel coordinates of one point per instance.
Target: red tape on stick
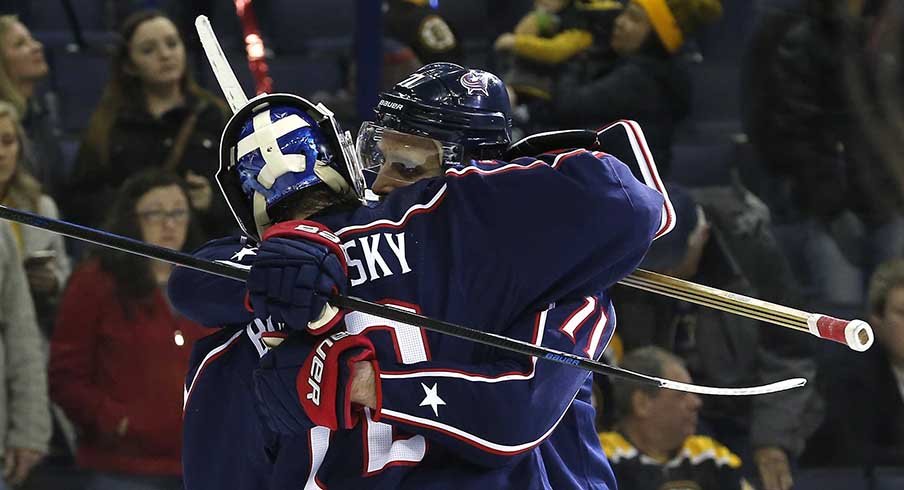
(856, 334)
(254, 47)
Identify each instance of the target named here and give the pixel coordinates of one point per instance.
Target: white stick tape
(752, 390)
(233, 92)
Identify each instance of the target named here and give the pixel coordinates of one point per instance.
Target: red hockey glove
(305, 382)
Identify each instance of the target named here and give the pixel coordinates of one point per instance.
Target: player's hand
(305, 382)
(200, 191)
(774, 469)
(18, 463)
(299, 266)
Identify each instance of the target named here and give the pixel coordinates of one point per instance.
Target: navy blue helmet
(466, 111)
(276, 146)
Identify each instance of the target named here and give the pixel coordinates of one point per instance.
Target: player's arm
(208, 299)
(534, 232)
(492, 411)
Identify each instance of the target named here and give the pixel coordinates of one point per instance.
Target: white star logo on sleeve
(432, 399)
(242, 253)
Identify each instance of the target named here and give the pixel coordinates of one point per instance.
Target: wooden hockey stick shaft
(131, 245)
(856, 334)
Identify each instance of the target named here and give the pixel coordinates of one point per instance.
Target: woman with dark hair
(152, 114)
(119, 353)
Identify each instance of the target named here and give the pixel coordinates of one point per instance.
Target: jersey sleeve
(519, 400)
(208, 299)
(539, 230)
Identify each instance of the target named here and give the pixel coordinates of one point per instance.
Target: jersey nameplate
(375, 256)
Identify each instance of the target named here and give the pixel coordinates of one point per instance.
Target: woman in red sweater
(119, 352)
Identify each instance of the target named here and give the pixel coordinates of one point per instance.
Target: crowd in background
(806, 208)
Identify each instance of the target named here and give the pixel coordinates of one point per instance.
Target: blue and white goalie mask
(277, 146)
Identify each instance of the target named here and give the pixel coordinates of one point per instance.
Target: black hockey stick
(133, 246)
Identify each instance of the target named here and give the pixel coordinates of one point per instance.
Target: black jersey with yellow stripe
(702, 463)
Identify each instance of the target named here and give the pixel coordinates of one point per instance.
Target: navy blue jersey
(519, 249)
(225, 445)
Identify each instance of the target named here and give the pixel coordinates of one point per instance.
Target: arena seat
(725, 39)
(323, 25)
(305, 75)
(830, 479)
(79, 79)
(50, 15)
(888, 478)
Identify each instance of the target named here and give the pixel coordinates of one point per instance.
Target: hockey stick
(220, 66)
(138, 247)
(856, 334)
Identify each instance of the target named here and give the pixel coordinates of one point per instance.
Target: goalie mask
(276, 146)
(441, 115)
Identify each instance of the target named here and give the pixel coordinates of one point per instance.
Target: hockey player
(471, 246)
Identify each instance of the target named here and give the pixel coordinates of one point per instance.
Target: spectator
(643, 81)
(708, 340)
(44, 254)
(549, 35)
(22, 67)
(152, 114)
(654, 443)
(842, 202)
(415, 24)
(26, 427)
(864, 392)
(119, 353)
(725, 241)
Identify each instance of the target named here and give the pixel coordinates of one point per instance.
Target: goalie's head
(277, 146)
(456, 113)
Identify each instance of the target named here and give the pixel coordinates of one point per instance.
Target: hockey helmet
(461, 114)
(278, 145)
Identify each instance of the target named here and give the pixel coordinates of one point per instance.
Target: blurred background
(776, 123)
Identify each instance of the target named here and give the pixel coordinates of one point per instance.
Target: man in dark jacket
(865, 392)
(844, 199)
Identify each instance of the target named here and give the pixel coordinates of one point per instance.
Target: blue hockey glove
(305, 382)
(299, 265)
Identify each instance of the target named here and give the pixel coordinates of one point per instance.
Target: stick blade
(232, 90)
(785, 385)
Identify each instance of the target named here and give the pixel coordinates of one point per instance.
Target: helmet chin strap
(261, 218)
(331, 178)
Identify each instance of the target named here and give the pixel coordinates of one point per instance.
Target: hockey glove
(305, 382)
(299, 265)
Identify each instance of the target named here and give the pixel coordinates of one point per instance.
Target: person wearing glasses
(151, 114)
(119, 352)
